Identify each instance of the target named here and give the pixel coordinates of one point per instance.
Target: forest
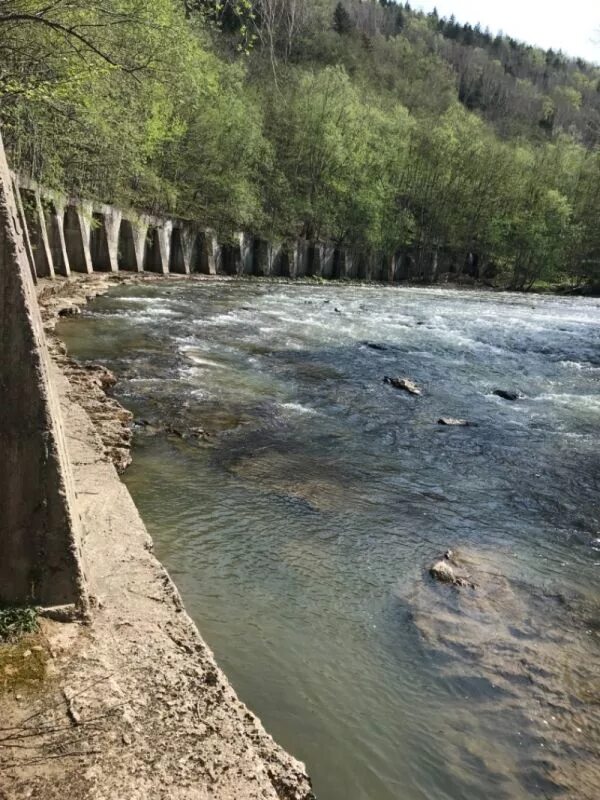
(366, 124)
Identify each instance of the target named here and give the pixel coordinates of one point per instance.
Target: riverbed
(298, 501)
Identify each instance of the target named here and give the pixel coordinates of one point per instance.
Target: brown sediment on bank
(131, 705)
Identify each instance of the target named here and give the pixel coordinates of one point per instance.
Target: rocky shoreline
(129, 703)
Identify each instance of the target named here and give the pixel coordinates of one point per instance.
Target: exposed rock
(375, 346)
(459, 423)
(89, 382)
(506, 394)
(403, 383)
(69, 311)
(104, 377)
(443, 570)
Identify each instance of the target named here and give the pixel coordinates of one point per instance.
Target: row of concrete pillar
(67, 236)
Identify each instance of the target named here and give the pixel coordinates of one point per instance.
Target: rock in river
(403, 383)
(443, 571)
(459, 423)
(506, 395)
(375, 346)
(69, 311)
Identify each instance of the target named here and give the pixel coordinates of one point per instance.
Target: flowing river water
(298, 502)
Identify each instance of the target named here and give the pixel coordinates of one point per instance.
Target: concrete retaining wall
(39, 527)
(68, 235)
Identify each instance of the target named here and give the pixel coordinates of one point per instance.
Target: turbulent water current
(298, 501)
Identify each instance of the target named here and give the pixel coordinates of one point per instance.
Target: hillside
(365, 123)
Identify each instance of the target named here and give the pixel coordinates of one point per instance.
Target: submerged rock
(309, 480)
(375, 346)
(173, 431)
(506, 394)
(527, 658)
(403, 383)
(459, 423)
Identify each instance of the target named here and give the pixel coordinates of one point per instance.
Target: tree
(399, 21)
(78, 24)
(342, 23)
(282, 121)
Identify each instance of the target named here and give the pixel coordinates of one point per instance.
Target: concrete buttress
(39, 528)
(77, 234)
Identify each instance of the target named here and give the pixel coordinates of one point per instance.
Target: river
(298, 502)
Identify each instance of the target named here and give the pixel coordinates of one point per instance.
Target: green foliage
(371, 125)
(16, 621)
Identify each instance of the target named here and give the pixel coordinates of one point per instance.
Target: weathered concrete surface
(81, 236)
(205, 252)
(39, 531)
(77, 234)
(55, 229)
(36, 225)
(24, 228)
(130, 246)
(104, 238)
(156, 249)
(135, 698)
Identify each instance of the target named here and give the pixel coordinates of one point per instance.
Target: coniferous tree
(399, 21)
(342, 23)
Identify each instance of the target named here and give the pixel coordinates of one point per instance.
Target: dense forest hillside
(365, 123)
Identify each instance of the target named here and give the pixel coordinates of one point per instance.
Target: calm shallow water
(300, 528)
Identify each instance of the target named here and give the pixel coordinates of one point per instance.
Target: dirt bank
(131, 705)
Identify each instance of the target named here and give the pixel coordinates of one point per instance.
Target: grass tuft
(16, 621)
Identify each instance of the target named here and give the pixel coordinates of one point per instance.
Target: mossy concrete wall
(39, 526)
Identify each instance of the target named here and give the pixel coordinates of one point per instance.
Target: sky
(571, 27)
